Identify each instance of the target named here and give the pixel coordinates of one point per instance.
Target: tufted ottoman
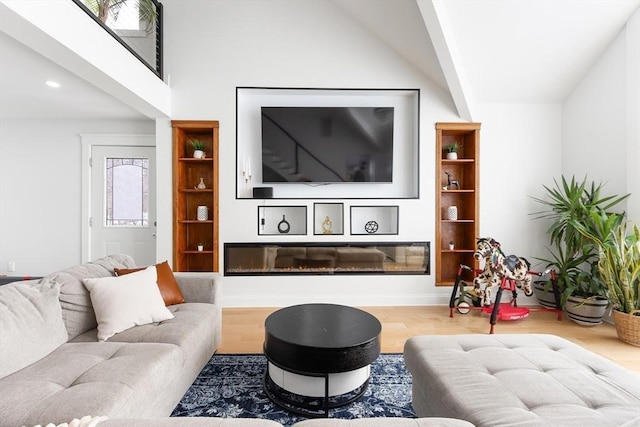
(524, 380)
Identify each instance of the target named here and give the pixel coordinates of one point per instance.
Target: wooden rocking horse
(497, 267)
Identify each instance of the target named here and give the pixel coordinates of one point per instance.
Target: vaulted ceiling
(511, 51)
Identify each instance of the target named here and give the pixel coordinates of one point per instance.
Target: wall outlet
(11, 266)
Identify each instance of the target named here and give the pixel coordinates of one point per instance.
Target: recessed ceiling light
(51, 83)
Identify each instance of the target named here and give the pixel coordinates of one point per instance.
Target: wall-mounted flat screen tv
(327, 144)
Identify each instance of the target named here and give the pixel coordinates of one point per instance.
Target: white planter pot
(586, 311)
(546, 299)
(198, 154)
(452, 156)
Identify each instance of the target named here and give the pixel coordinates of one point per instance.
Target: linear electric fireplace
(255, 259)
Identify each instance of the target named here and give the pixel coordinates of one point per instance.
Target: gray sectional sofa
(54, 369)
(519, 379)
(56, 365)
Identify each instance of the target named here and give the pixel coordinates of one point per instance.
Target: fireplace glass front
(254, 259)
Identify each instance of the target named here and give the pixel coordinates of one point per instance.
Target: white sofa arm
(200, 287)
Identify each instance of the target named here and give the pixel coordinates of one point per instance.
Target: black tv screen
(327, 144)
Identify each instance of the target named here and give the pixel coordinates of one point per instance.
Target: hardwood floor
(243, 330)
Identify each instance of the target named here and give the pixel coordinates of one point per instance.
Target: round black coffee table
(319, 356)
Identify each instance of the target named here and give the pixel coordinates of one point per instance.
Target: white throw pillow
(126, 301)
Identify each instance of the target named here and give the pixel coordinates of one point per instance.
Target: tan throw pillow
(123, 302)
(171, 293)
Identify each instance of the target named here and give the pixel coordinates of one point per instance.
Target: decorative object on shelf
(198, 148)
(327, 225)
(452, 245)
(200, 247)
(262, 192)
(452, 150)
(284, 226)
(452, 213)
(246, 176)
(371, 227)
(201, 184)
(202, 213)
(451, 181)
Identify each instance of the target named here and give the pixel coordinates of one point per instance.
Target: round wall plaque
(371, 227)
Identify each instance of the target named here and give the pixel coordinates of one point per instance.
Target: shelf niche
(282, 220)
(328, 218)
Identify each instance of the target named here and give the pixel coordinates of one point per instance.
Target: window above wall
(136, 24)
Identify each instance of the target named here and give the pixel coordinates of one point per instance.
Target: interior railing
(136, 24)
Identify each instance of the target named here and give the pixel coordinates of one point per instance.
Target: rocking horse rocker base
(505, 310)
(498, 310)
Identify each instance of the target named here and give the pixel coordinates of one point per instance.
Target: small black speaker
(262, 192)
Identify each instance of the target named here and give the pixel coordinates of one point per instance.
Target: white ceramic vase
(452, 213)
(202, 213)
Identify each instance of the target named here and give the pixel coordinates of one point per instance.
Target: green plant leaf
(579, 217)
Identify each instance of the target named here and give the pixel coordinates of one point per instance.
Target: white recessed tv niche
(328, 143)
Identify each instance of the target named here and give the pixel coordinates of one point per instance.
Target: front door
(123, 217)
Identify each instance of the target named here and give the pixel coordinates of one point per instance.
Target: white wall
(601, 121)
(519, 152)
(234, 45)
(40, 191)
(227, 44)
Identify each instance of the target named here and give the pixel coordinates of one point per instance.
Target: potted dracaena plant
(619, 268)
(573, 255)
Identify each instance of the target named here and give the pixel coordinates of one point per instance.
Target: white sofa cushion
(126, 301)
(100, 379)
(77, 311)
(31, 324)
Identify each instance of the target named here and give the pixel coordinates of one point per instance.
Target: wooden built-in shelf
(464, 230)
(188, 231)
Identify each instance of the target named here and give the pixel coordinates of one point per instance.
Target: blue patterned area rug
(231, 386)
